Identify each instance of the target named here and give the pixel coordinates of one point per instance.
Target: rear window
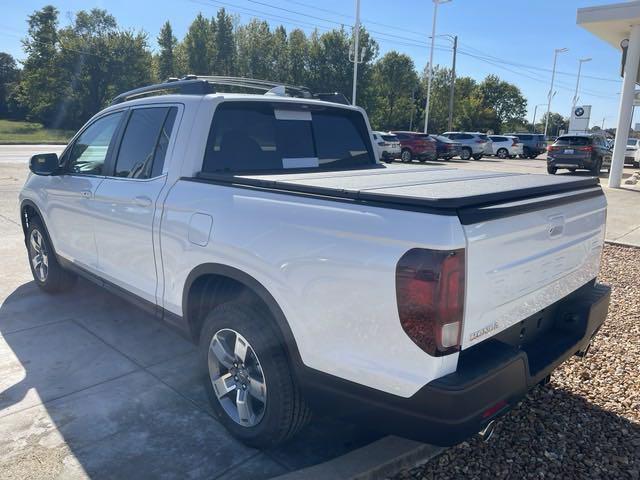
(389, 138)
(573, 141)
(440, 138)
(525, 137)
(258, 136)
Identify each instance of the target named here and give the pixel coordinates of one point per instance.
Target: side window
(144, 143)
(89, 151)
(465, 136)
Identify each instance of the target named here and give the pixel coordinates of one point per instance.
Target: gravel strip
(586, 422)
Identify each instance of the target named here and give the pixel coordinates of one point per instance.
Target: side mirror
(44, 164)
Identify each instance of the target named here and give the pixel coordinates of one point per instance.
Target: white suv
(424, 301)
(388, 146)
(505, 146)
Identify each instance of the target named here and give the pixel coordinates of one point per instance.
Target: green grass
(15, 132)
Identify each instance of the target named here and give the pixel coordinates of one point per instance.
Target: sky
(514, 39)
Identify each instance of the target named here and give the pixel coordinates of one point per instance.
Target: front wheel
(248, 378)
(465, 154)
(46, 271)
(477, 156)
(503, 153)
(551, 170)
(406, 155)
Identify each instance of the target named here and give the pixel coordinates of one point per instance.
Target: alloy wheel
(237, 377)
(39, 255)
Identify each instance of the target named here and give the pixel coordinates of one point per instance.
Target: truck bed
(472, 195)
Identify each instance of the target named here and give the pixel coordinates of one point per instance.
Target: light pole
(575, 95)
(356, 52)
(553, 77)
(430, 72)
(535, 111)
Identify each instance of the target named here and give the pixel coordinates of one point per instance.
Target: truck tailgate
(520, 263)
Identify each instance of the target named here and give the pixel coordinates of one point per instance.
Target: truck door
(126, 219)
(70, 196)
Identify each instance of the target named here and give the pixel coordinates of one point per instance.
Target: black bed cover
(472, 195)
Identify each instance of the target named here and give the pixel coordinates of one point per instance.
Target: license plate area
(568, 151)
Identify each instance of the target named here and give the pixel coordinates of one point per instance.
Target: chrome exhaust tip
(487, 432)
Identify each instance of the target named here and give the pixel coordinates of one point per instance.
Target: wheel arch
(29, 210)
(200, 278)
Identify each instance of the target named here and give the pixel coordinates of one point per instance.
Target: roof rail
(202, 85)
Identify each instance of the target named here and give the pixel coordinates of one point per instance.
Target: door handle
(86, 193)
(142, 201)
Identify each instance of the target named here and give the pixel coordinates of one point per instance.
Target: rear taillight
(430, 293)
(585, 149)
(551, 148)
(515, 142)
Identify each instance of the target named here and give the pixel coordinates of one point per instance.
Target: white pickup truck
(426, 301)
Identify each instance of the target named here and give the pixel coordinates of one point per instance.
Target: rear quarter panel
(329, 265)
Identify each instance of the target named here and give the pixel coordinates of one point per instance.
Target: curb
(621, 244)
(379, 459)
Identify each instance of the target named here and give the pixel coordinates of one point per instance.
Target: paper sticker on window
(292, 115)
(308, 162)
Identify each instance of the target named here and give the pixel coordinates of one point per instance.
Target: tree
(225, 63)
(199, 46)
(166, 58)
(254, 44)
(9, 75)
(40, 91)
(504, 98)
(298, 57)
(556, 123)
(395, 81)
(280, 55)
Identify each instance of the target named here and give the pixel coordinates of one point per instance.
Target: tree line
(71, 72)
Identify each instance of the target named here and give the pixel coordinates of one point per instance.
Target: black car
(590, 152)
(533, 144)
(446, 148)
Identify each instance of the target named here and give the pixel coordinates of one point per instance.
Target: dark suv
(416, 145)
(533, 144)
(586, 151)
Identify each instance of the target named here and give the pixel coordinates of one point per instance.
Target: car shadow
(92, 386)
(553, 432)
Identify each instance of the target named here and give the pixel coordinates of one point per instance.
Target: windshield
(632, 142)
(573, 141)
(259, 136)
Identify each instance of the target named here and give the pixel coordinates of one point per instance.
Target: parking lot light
(553, 77)
(575, 95)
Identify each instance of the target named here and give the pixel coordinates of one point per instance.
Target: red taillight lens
(430, 293)
(551, 148)
(515, 142)
(585, 149)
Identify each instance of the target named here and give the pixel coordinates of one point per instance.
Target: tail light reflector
(430, 287)
(585, 149)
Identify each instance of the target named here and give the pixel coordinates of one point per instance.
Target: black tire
(533, 157)
(526, 152)
(465, 153)
(551, 170)
(285, 411)
(477, 156)
(53, 278)
(406, 156)
(572, 170)
(502, 153)
(595, 169)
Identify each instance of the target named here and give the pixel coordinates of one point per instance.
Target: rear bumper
(491, 378)
(570, 162)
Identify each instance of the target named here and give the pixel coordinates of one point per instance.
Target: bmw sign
(579, 112)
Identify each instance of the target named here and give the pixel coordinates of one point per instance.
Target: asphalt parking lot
(92, 387)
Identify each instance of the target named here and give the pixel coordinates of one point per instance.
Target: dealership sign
(579, 122)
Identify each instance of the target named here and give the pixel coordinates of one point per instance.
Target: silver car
(474, 144)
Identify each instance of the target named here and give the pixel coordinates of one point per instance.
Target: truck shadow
(92, 386)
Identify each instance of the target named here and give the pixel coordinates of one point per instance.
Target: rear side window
(144, 143)
(483, 137)
(574, 141)
(497, 139)
(465, 136)
(525, 137)
(258, 136)
(389, 138)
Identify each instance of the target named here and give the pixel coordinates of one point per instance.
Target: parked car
(588, 151)
(632, 153)
(416, 145)
(445, 148)
(505, 146)
(387, 145)
(533, 144)
(473, 144)
(426, 302)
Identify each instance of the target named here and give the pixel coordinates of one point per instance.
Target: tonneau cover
(432, 187)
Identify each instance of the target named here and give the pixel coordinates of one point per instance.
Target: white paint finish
(200, 229)
(626, 108)
(330, 266)
(610, 22)
(124, 215)
(518, 265)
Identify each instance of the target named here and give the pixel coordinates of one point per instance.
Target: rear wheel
(551, 170)
(46, 270)
(477, 156)
(406, 155)
(465, 154)
(572, 170)
(526, 153)
(597, 166)
(502, 153)
(248, 378)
